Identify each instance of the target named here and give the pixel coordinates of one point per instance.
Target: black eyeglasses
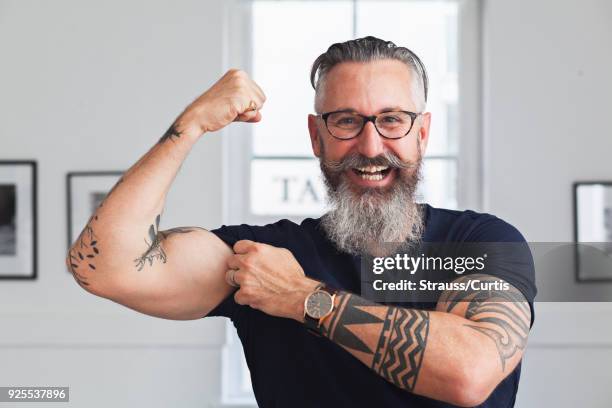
(346, 125)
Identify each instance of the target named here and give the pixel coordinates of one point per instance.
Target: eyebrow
(387, 109)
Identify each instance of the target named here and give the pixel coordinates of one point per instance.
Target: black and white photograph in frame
(593, 230)
(85, 192)
(17, 219)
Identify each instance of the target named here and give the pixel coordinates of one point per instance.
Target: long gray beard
(372, 221)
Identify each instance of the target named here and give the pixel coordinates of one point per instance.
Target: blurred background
(520, 108)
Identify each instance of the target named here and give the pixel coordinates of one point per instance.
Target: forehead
(368, 87)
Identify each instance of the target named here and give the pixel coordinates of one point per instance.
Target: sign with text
(286, 186)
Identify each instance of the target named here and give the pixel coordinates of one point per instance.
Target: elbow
(473, 385)
(81, 277)
(470, 396)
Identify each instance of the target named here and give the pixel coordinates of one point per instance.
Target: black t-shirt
(292, 368)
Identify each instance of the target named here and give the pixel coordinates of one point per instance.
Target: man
(292, 290)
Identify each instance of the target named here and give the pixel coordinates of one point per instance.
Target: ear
(313, 129)
(424, 131)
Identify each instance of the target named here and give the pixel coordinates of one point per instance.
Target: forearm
(430, 353)
(122, 235)
(458, 353)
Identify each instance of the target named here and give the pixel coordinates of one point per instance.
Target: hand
(270, 279)
(234, 97)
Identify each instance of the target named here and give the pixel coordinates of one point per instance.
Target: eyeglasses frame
(371, 118)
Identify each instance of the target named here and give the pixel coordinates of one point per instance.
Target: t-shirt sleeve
(508, 255)
(230, 235)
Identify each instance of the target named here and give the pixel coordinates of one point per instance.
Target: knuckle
(239, 75)
(284, 252)
(247, 262)
(233, 71)
(237, 245)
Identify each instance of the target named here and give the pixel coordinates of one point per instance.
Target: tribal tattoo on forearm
(396, 351)
(501, 315)
(171, 133)
(154, 250)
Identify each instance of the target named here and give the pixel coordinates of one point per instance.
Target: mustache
(357, 160)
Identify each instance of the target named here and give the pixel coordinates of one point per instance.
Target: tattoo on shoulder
(397, 353)
(502, 315)
(171, 134)
(155, 251)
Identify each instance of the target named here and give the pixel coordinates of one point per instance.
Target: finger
(236, 261)
(230, 278)
(251, 101)
(240, 297)
(244, 246)
(254, 119)
(245, 116)
(239, 277)
(257, 98)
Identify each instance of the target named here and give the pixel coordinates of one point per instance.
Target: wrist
(190, 127)
(305, 288)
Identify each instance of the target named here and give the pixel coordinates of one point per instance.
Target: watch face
(319, 304)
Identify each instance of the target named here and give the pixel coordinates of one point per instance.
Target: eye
(347, 120)
(391, 119)
(344, 120)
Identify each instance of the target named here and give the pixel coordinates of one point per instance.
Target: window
(270, 166)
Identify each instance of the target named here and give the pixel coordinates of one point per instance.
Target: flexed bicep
(180, 274)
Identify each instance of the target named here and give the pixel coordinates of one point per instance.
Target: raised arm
(122, 255)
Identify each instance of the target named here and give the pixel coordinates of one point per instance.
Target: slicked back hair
(370, 49)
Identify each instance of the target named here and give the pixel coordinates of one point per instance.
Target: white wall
(547, 90)
(91, 86)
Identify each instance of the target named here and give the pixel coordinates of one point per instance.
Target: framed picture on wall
(17, 219)
(593, 230)
(85, 192)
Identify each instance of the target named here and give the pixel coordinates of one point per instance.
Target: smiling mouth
(373, 173)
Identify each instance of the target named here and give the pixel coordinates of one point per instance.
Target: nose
(369, 142)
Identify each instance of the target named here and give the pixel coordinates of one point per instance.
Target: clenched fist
(234, 97)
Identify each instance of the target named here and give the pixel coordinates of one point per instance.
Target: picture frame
(18, 219)
(85, 190)
(593, 230)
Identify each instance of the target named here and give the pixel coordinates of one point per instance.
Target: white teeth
(372, 169)
(374, 177)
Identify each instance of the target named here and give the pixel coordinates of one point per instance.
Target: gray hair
(365, 50)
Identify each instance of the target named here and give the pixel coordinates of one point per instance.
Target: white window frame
(237, 142)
